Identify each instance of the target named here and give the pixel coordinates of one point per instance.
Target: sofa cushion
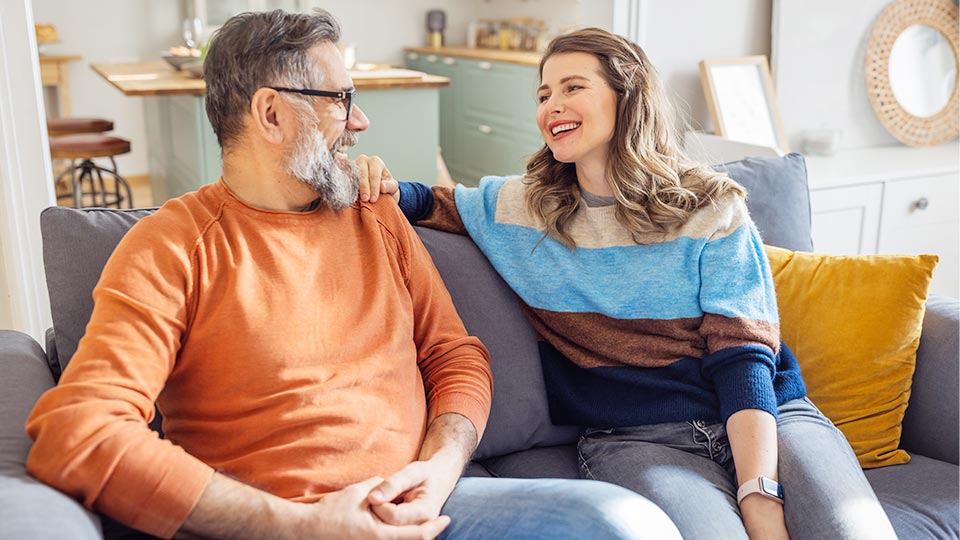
(76, 246)
(545, 462)
(921, 498)
(777, 197)
(854, 323)
(519, 417)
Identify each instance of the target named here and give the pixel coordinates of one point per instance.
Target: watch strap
(762, 485)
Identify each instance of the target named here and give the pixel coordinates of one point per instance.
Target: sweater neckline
(232, 200)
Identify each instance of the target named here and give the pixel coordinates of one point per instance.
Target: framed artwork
(741, 100)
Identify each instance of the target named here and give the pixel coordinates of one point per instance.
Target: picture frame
(742, 102)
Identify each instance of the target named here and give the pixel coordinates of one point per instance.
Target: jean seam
(709, 445)
(583, 462)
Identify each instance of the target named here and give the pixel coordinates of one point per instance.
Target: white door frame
(630, 20)
(26, 177)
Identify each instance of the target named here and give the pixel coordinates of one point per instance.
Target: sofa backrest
(77, 244)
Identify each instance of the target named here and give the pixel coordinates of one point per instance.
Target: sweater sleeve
(91, 435)
(740, 321)
(455, 365)
(435, 208)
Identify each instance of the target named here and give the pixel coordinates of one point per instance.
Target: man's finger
(408, 513)
(430, 529)
(396, 484)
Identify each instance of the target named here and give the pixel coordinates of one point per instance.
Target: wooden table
(184, 153)
(53, 72)
(157, 78)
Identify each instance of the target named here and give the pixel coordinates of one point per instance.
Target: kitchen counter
(53, 73)
(184, 154)
(524, 58)
(157, 78)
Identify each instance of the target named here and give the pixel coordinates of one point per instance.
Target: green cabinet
(184, 153)
(487, 114)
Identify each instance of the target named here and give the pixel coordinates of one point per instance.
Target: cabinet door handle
(485, 65)
(485, 129)
(412, 56)
(449, 61)
(431, 58)
(922, 203)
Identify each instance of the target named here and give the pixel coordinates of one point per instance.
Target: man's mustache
(347, 139)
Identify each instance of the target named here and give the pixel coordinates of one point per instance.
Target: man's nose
(358, 121)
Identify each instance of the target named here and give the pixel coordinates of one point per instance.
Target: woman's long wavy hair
(655, 185)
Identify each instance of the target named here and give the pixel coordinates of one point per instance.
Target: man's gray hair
(253, 50)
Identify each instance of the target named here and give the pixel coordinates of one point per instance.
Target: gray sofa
(921, 497)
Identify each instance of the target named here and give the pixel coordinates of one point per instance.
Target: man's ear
(267, 110)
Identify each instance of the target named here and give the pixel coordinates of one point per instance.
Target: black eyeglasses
(344, 96)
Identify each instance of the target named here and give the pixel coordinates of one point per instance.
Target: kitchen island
(184, 153)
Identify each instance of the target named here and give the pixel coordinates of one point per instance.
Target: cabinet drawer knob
(485, 65)
(485, 129)
(449, 61)
(431, 58)
(412, 56)
(922, 203)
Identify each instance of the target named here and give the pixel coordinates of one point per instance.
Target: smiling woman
(646, 280)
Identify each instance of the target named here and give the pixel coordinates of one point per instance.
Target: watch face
(771, 487)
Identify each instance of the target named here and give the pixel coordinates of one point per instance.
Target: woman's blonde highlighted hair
(655, 185)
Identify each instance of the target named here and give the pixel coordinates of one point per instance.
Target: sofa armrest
(931, 426)
(28, 508)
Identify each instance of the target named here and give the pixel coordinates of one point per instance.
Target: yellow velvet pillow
(854, 323)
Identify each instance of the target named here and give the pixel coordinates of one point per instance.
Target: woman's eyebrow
(563, 80)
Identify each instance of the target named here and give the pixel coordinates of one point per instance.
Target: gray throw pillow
(76, 246)
(778, 198)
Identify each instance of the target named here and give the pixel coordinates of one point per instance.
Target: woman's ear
(267, 110)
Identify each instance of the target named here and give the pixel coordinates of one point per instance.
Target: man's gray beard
(312, 163)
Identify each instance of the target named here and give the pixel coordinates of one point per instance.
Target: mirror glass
(923, 70)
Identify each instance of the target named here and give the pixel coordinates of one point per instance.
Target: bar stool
(86, 147)
(71, 126)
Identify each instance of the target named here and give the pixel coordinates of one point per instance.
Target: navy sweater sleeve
(416, 200)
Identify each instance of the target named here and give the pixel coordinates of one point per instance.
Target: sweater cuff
(747, 384)
(416, 200)
(177, 485)
(462, 404)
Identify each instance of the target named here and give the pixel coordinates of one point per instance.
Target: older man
(245, 310)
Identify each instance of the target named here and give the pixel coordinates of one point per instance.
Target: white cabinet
(846, 220)
(890, 200)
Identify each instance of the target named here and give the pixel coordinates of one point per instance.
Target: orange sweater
(296, 352)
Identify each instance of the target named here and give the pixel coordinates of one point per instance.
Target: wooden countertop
(157, 78)
(525, 58)
(51, 58)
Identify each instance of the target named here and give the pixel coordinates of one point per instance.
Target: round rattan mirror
(911, 70)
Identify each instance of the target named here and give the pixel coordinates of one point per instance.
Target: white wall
(26, 181)
(380, 29)
(6, 298)
(681, 33)
(111, 31)
(678, 34)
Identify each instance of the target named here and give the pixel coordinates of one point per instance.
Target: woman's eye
(574, 88)
(542, 99)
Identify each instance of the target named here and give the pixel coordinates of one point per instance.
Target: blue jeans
(687, 469)
(549, 509)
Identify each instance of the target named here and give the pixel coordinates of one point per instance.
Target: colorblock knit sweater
(666, 327)
(298, 352)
